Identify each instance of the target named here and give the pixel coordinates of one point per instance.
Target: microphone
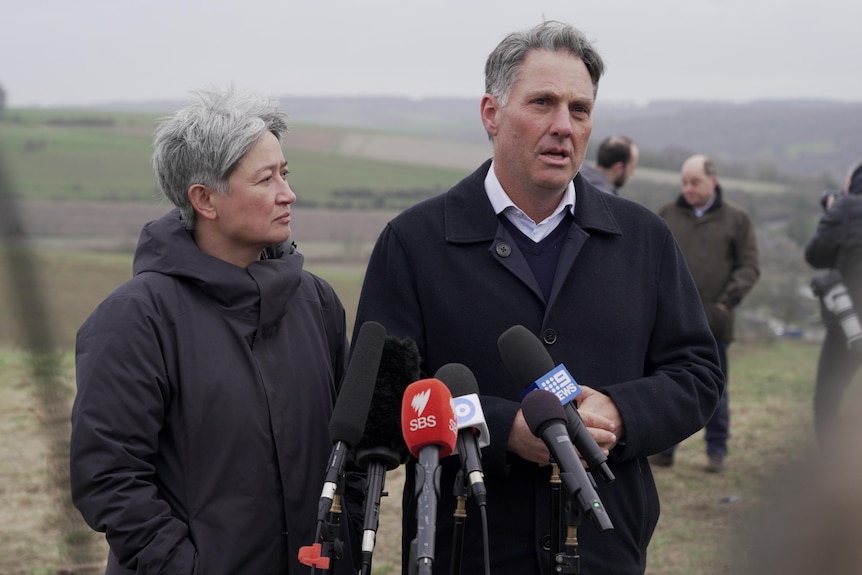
(527, 360)
(430, 430)
(473, 431)
(546, 419)
(382, 447)
(347, 423)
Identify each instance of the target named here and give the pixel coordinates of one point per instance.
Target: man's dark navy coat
(623, 316)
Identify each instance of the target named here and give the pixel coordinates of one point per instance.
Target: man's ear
(201, 198)
(490, 111)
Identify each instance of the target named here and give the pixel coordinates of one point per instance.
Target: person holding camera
(837, 245)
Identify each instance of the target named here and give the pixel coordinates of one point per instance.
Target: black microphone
(346, 426)
(527, 360)
(347, 423)
(382, 447)
(546, 419)
(472, 429)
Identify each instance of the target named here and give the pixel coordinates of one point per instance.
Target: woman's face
(256, 211)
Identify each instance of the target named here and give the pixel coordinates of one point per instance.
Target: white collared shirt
(502, 203)
(698, 212)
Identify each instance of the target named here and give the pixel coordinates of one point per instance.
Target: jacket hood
(167, 248)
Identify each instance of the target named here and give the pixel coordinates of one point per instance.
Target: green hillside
(72, 155)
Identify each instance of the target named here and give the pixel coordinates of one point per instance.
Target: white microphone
(473, 432)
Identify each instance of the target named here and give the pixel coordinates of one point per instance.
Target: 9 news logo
(561, 383)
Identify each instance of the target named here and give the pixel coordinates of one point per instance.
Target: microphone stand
(412, 562)
(323, 554)
(377, 461)
(569, 562)
(462, 492)
(556, 502)
(427, 490)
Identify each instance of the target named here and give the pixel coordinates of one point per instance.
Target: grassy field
(60, 155)
(41, 534)
(59, 161)
(69, 284)
(702, 514)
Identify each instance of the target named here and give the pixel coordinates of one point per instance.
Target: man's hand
(601, 417)
(522, 442)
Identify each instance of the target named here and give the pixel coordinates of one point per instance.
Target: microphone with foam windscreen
(346, 425)
(528, 361)
(430, 431)
(382, 447)
(472, 429)
(546, 419)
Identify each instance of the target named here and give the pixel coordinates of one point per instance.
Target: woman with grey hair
(205, 383)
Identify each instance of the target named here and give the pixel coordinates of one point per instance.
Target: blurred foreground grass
(702, 514)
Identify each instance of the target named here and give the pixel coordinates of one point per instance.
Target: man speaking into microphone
(525, 240)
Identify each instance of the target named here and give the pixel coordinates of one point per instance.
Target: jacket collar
(262, 290)
(469, 216)
(717, 203)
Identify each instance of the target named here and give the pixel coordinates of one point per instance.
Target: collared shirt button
(549, 336)
(503, 249)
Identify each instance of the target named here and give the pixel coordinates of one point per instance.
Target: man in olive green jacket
(719, 243)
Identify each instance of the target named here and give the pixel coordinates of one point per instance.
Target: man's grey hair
(504, 63)
(204, 142)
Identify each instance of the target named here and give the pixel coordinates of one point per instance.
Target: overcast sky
(58, 52)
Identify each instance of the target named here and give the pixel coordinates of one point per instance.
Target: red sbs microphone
(428, 417)
(430, 431)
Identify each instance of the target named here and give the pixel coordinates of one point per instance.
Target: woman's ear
(201, 198)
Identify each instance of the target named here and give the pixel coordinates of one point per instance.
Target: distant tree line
(368, 199)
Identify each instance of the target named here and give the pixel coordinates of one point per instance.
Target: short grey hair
(204, 142)
(504, 63)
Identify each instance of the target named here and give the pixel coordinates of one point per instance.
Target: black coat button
(545, 542)
(503, 250)
(549, 336)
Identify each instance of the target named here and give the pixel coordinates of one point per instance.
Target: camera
(830, 288)
(824, 198)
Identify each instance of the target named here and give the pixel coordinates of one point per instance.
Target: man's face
(540, 136)
(698, 188)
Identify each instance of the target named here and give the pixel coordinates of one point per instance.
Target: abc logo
(464, 409)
